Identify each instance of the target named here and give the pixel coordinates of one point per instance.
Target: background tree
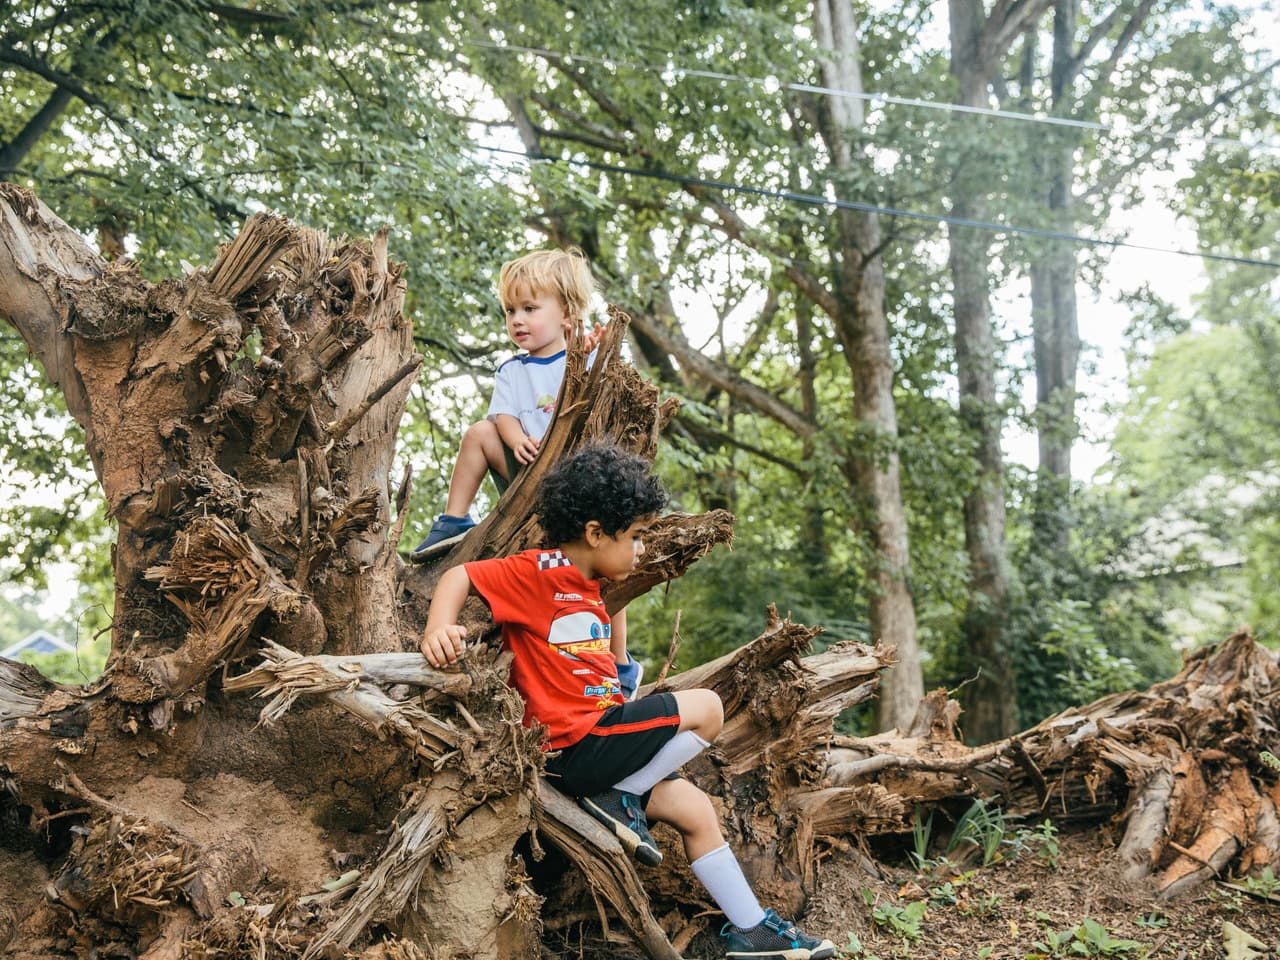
(979, 41)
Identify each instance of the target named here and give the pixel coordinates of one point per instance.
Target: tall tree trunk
(864, 334)
(1055, 327)
(1053, 272)
(991, 701)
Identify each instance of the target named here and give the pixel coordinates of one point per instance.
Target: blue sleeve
(629, 675)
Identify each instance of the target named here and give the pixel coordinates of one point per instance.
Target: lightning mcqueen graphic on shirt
(577, 633)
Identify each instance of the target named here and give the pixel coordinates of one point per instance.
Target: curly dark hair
(600, 482)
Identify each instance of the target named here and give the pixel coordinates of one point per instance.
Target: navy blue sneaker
(624, 815)
(445, 532)
(774, 939)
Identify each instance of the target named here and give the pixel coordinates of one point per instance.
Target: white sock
(721, 874)
(675, 753)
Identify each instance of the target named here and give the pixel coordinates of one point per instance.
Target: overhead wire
(772, 83)
(820, 201)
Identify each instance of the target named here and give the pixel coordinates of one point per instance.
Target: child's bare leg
(689, 810)
(701, 717)
(481, 449)
(700, 711)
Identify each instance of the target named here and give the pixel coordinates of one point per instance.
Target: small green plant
(982, 827)
(1265, 884)
(1153, 920)
(1232, 898)
(921, 833)
(854, 950)
(902, 922)
(943, 895)
(984, 906)
(1041, 840)
(984, 952)
(1087, 939)
(1055, 943)
(1269, 759)
(1098, 941)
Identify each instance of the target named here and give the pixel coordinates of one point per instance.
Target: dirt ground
(1013, 909)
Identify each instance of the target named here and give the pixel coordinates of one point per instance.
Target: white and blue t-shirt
(526, 388)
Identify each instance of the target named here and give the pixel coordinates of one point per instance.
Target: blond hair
(563, 272)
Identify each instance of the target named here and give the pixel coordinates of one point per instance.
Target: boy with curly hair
(542, 294)
(618, 755)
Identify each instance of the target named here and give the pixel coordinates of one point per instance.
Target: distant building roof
(38, 641)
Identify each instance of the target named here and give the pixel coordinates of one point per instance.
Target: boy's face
(616, 556)
(536, 321)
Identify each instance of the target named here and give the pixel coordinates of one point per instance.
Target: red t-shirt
(554, 621)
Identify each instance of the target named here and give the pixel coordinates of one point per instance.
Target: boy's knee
(702, 712)
(685, 805)
(479, 432)
(714, 712)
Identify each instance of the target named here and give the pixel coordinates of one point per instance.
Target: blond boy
(542, 294)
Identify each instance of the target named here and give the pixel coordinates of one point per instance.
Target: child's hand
(443, 645)
(526, 450)
(591, 338)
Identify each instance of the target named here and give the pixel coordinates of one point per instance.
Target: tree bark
(860, 323)
(977, 43)
(1053, 272)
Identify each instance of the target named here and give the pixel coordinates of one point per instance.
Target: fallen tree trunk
(1185, 771)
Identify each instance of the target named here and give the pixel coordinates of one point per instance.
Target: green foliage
(349, 115)
(1091, 669)
(1265, 883)
(1087, 939)
(20, 615)
(1089, 620)
(903, 922)
(921, 833)
(1041, 840)
(981, 827)
(80, 666)
(853, 950)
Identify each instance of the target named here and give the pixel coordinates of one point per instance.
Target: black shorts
(626, 738)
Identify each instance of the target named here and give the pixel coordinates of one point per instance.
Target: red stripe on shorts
(638, 726)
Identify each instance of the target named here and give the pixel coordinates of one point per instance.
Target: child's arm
(618, 636)
(524, 446)
(629, 670)
(442, 638)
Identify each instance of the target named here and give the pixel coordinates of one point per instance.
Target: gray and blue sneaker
(445, 532)
(774, 939)
(624, 815)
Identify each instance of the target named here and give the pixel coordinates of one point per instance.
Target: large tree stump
(242, 423)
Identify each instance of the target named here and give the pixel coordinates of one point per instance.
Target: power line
(770, 84)
(819, 201)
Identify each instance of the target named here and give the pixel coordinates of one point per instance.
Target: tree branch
(733, 226)
(15, 151)
(672, 340)
(1159, 142)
